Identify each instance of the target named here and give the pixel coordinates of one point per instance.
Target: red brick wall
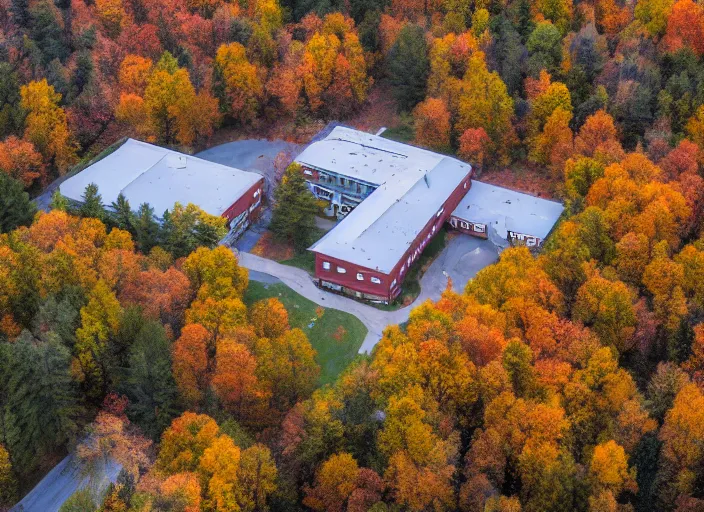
(349, 279)
(245, 201)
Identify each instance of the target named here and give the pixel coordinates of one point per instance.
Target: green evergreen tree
(149, 383)
(507, 51)
(80, 501)
(123, 215)
(46, 31)
(58, 77)
(409, 66)
(11, 115)
(15, 207)
(525, 19)
(83, 74)
(206, 235)
(146, 228)
(42, 405)
(92, 203)
(20, 12)
(60, 314)
(293, 218)
(545, 47)
(59, 201)
(173, 238)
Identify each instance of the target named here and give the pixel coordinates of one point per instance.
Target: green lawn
(403, 131)
(305, 261)
(336, 335)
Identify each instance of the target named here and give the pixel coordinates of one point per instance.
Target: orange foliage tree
(432, 124)
(19, 159)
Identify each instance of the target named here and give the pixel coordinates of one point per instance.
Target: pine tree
(15, 207)
(409, 66)
(46, 31)
(83, 74)
(11, 115)
(42, 405)
(20, 12)
(146, 228)
(92, 203)
(149, 383)
(293, 218)
(59, 201)
(123, 215)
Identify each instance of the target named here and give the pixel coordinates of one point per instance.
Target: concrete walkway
(461, 259)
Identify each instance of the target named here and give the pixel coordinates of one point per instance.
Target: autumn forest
(565, 379)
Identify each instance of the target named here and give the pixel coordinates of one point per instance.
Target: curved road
(461, 259)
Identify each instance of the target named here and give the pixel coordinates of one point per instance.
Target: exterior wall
(390, 286)
(470, 228)
(348, 282)
(523, 239)
(250, 202)
(428, 232)
(480, 231)
(342, 192)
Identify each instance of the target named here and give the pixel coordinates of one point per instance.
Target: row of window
(339, 181)
(342, 270)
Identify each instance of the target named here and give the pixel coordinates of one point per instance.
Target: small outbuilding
(500, 214)
(145, 173)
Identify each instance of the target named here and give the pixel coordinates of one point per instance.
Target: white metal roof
(413, 186)
(369, 158)
(508, 210)
(145, 173)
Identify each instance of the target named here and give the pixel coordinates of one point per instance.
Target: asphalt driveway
(252, 155)
(62, 481)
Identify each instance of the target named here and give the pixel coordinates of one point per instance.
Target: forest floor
(335, 335)
(523, 177)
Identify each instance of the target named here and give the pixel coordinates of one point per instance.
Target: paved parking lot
(252, 155)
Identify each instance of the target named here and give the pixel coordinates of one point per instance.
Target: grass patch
(335, 335)
(305, 261)
(410, 288)
(401, 133)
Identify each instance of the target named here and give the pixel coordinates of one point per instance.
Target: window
(256, 192)
(326, 265)
(479, 228)
(433, 228)
(342, 181)
(393, 283)
(360, 276)
(440, 212)
(307, 172)
(403, 268)
(465, 185)
(375, 280)
(341, 270)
